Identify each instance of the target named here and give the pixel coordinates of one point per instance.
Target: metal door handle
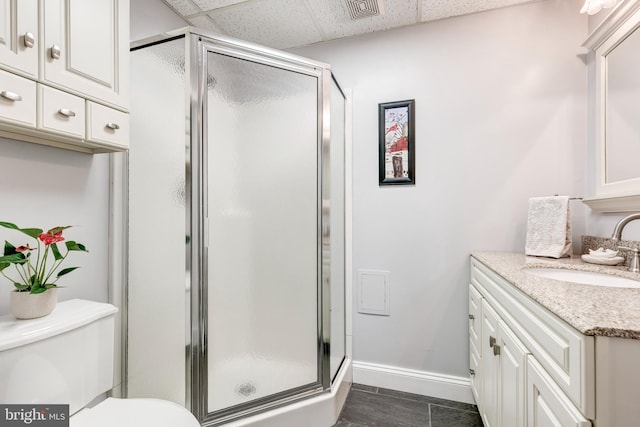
(496, 350)
(29, 39)
(11, 96)
(55, 52)
(492, 342)
(113, 126)
(66, 112)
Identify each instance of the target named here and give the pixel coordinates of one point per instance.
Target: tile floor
(378, 407)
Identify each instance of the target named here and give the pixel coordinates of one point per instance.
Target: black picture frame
(396, 141)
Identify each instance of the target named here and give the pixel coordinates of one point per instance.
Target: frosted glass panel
(157, 291)
(262, 207)
(337, 230)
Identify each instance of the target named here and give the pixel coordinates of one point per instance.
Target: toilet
(67, 357)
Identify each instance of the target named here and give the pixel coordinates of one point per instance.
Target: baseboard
(412, 381)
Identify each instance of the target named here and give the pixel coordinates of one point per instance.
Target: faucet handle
(634, 262)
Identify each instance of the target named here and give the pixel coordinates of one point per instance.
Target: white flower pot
(30, 306)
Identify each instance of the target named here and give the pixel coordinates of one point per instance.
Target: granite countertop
(592, 310)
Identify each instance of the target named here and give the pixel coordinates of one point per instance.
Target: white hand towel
(548, 227)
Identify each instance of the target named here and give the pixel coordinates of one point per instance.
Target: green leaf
(9, 249)
(20, 286)
(75, 246)
(56, 252)
(50, 286)
(4, 265)
(56, 230)
(66, 271)
(16, 258)
(31, 232)
(38, 290)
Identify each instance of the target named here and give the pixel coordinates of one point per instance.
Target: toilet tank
(63, 358)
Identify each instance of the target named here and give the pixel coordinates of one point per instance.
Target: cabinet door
(475, 335)
(19, 36)
(489, 365)
(86, 48)
(512, 355)
(547, 405)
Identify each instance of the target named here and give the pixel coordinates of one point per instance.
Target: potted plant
(35, 293)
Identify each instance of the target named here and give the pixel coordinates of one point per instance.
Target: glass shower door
(262, 204)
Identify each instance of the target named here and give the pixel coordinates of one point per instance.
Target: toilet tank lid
(66, 316)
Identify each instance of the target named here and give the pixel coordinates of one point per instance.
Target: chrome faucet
(617, 231)
(634, 262)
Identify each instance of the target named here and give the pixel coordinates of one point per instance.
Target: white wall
(500, 117)
(45, 187)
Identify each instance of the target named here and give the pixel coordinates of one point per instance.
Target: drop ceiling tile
(207, 5)
(334, 20)
(438, 9)
(204, 22)
(275, 23)
(183, 7)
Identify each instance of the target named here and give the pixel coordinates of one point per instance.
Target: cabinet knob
(66, 112)
(55, 51)
(472, 372)
(492, 341)
(112, 125)
(496, 350)
(11, 96)
(29, 39)
(471, 317)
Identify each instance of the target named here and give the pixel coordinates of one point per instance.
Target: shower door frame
(199, 46)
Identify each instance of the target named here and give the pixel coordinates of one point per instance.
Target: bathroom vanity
(547, 352)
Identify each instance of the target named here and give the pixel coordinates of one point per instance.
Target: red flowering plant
(33, 265)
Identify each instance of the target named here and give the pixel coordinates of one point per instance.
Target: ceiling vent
(359, 9)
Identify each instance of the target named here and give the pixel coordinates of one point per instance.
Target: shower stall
(236, 297)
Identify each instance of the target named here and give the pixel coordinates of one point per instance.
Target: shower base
(319, 411)
(242, 380)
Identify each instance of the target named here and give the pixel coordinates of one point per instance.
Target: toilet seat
(134, 413)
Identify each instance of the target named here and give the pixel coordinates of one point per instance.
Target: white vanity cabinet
(64, 68)
(535, 370)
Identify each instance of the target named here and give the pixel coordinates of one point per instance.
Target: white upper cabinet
(19, 37)
(64, 73)
(86, 48)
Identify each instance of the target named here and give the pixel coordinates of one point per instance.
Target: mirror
(616, 122)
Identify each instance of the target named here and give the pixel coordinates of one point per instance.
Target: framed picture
(396, 143)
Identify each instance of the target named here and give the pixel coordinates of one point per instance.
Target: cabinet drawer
(61, 112)
(566, 354)
(17, 100)
(107, 126)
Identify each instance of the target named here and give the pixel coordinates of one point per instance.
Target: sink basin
(583, 277)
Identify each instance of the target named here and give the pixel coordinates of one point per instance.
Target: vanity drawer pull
(11, 96)
(67, 112)
(112, 125)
